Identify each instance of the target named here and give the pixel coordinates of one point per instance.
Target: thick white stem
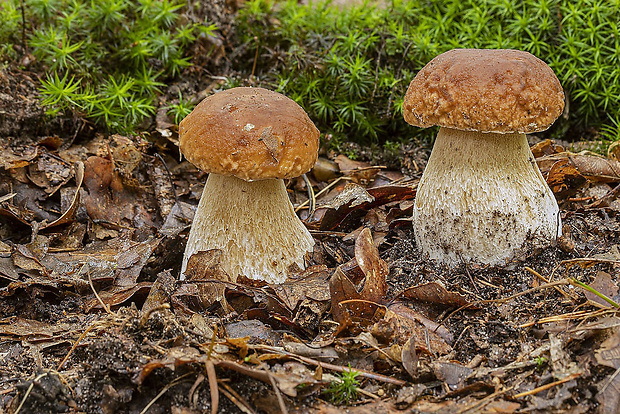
(481, 198)
(255, 226)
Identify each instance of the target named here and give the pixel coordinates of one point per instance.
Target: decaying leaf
(433, 292)
(593, 167)
(205, 269)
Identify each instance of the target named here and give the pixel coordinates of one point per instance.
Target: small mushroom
(249, 140)
(482, 197)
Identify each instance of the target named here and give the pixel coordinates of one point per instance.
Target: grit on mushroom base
(255, 226)
(481, 198)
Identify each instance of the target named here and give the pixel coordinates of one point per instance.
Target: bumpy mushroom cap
(250, 133)
(248, 139)
(485, 90)
(482, 197)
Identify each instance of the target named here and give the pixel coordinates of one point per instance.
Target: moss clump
(350, 67)
(104, 59)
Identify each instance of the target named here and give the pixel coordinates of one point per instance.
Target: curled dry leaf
(409, 357)
(593, 167)
(433, 292)
(205, 267)
(375, 269)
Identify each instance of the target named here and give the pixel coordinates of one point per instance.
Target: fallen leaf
(603, 283)
(434, 292)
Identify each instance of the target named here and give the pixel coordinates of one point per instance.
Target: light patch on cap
(248, 127)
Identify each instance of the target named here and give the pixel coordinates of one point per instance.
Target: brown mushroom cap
(250, 133)
(485, 90)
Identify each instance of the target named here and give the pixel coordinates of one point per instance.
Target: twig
(337, 368)
(163, 391)
(538, 275)
(320, 193)
(478, 404)
(235, 398)
(21, 404)
(311, 196)
(547, 386)
(90, 282)
(66, 358)
(213, 389)
(283, 409)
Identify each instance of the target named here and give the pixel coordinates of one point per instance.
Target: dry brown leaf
(603, 283)
(609, 352)
(433, 292)
(205, 269)
(593, 167)
(409, 357)
(374, 268)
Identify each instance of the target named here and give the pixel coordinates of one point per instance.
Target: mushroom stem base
(254, 225)
(482, 199)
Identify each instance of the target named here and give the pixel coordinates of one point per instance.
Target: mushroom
(249, 140)
(482, 198)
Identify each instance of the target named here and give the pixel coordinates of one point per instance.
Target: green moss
(105, 59)
(350, 68)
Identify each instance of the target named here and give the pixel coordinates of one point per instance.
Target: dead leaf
(69, 214)
(592, 167)
(433, 292)
(564, 179)
(451, 373)
(609, 352)
(546, 147)
(604, 284)
(409, 357)
(374, 268)
(205, 269)
(313, 285)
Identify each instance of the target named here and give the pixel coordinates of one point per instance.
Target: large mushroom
(249, 140)
(482, 197)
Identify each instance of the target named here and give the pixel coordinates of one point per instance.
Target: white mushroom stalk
(255, 226)
(482, 198)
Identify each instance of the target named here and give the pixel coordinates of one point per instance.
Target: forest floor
(94, 319)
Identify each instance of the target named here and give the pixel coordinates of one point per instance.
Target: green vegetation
(344, 389)
(350, 69)
(108, 60)
(104, 59)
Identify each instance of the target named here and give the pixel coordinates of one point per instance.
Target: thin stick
(320, 193)
(90, 282)
(538, 275)
(311, 196)
(235, 398)
(66, 358)
(337, 368)
(547, 386)
(278, 394)
(163, 391)
(28, 392)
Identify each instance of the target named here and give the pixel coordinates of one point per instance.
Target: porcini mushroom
(482, 197)
(249, 140)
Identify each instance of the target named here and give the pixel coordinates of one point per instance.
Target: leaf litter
(93, 317)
